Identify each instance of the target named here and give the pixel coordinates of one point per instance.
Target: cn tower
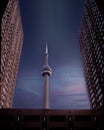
(46, 72)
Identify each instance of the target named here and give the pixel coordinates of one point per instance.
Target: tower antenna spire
(46, 48)
(46, 72)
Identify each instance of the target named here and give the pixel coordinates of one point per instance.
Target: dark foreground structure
(50, 119)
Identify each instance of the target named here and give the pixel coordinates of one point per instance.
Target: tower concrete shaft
(46, 72)
(46, 91)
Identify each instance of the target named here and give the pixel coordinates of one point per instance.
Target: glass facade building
(11, 45)
(91, 40)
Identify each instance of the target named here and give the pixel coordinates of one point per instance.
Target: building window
(83, 118)
(30, 118)
(57, 118)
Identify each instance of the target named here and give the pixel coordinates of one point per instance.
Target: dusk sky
(56, 22)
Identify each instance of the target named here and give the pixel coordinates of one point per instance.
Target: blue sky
(58, 23)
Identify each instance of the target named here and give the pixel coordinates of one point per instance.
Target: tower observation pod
(46, 72)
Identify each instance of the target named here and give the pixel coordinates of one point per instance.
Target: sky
(56, 22)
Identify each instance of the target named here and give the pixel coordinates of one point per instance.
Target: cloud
(70, 101)
(52, 21)
(67, 90)
(27, 99)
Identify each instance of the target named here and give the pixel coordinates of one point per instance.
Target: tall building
(11, 45)
(46, 72)
(91, 39)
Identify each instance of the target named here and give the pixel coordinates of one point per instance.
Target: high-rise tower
(91, 41)
(46, 72)
(11, 45)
